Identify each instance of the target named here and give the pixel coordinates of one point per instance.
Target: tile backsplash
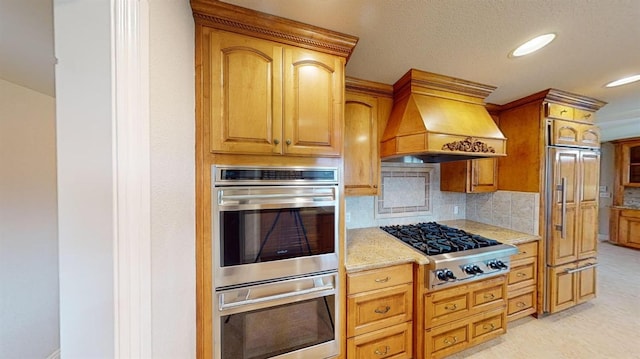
(513, 210)
(411, 194)
(632, 196)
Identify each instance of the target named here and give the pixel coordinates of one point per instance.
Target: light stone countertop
(371, 247)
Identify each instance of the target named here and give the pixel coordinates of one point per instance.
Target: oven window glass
(254, 236)
(277, 330)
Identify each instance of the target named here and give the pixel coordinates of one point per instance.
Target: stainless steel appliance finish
(270, 223)
(455, 256)
(293, 318)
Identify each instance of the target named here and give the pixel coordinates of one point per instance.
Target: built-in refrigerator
(572, 179)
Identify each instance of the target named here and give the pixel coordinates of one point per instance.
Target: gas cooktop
(432, 238)
(454, 255)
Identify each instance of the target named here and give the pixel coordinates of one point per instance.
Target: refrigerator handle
(563, 208)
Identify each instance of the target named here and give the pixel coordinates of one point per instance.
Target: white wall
(607, 178)
(172, 110)
(28, 224)
(85, 177)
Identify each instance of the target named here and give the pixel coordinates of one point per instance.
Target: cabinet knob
(276, 141)
(288, 142)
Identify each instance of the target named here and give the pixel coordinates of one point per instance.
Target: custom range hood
(438, 118)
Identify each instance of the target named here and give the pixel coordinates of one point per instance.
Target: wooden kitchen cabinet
(471, 176)
(624, 218)
(624, 228)
(367, 108)
(522, 282)
(269, 98)
(465, 315)
(380, 313)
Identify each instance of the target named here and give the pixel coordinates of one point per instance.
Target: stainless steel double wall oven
(275, 262)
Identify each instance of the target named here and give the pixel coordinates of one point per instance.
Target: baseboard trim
(54, 355)
(603, 237)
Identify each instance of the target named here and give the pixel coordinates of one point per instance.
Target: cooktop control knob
(477, 269)
(449, 275)
(493, 265)
(441, 274)
(501, 265)
(469, 269)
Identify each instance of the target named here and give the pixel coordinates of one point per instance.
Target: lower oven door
(293, 318)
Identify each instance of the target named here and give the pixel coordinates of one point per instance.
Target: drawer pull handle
(489, 296)
(449, 342)
(520, 274)
(453, 306)
(587, 115)
(379, 352)
(522, 252)
(489, 326)
(382, 311)
(562, 112)
(382, 280)
(520, 305)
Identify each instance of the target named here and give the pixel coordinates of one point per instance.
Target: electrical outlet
(605, 195)
(603, 188)
(455, 209)
(347, 217)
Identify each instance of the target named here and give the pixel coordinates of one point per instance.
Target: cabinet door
(361, 145)
(313, 112)
(563, 287)
(244, 93)
(631, 165)
(587, 226)
(586, 279)
(629, 228)
(483, 175)
(575, 134)
(564, 187)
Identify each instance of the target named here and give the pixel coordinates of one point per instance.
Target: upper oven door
(268, 232)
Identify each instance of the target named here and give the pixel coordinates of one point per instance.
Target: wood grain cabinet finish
(471, 176)
(575, 134)
(367, 108)
(624, 227)
(380, 313)
(572, 284)
(522, 282)
(268, 98)
(459, 317)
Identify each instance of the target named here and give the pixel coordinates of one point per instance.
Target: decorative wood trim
(353, 84)
(416, 79)
(132, 202)
(557, 96)
(469, 144)
(233, 18)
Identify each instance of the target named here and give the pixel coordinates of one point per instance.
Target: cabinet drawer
(523, 272)
(395, 342)
(583, 116)
(379, 278)
(449, 306)
(489, 325)
(559, 111)
(522, 302)
(377, 309)
(526, 250)
(453, 338)
(489, 295)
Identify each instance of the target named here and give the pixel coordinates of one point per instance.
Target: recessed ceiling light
(532, 45)
(623, 81)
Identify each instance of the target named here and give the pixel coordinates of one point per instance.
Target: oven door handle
(270, 298)
(249, 197)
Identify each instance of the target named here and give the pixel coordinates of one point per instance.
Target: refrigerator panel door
(588, 205)
(564, 167)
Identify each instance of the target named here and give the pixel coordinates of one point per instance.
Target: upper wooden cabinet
(367, 108)
(630, 163)
(267, 85)
(472, 176)
(268, 98)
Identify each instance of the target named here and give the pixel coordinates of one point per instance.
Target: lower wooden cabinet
(459, 317)
(572, 284)
(392, 342)
(624, 227)
(380, 312)
(522, 282)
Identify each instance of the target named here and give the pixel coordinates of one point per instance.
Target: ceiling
(598, 41)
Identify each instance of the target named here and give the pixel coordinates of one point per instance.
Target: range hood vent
(438, 119)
